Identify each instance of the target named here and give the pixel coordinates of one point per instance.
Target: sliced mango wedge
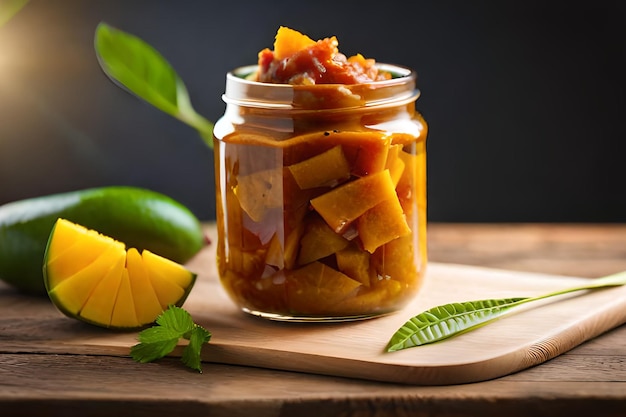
(93, 278)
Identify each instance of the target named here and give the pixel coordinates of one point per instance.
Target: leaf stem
(613, 280)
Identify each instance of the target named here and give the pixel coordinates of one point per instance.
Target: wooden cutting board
(526, 337)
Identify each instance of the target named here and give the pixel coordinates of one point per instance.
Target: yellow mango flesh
(259, 192)
(319, 241)
(317, 287)
(381, 224)
(291, 245)
(413, 175)
(172, 271)
(164, 288)
(275, 255)
(118, 288)
(394, 163)
(76, 288)
(124, 313)
(355, 263)
(82, 247)
(289, 42)
(147, 306)
(99, 306)
(402, 251)
(368, 157)
(344, 204)
(246, 262)
(321, 170)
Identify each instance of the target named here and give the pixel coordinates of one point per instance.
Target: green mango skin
(138, 217)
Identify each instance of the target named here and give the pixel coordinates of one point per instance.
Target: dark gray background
(526, 100)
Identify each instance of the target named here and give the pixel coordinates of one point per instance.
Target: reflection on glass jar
(321, 197)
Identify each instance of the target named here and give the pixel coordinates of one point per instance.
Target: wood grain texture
(357, 349)
(578, 250)
(61, 385)
(590, 378)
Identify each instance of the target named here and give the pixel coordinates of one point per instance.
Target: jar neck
(397, 91)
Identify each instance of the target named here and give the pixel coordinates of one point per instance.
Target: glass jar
(321, 197)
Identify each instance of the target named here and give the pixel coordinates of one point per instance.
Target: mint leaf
(177, 319)
(445, 321)
(148, 351)
(191, 355)
(139, 68)
(172, 325)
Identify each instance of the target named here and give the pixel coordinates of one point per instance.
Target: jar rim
(244, 92)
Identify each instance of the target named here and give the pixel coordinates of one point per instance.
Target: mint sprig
(172, 325)
(445, 321)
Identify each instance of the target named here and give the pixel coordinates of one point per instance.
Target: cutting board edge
(523, 357)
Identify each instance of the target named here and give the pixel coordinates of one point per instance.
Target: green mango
(138, 217)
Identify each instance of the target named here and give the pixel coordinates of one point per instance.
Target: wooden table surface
(588, 380)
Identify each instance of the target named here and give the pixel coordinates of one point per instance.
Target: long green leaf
(447, 320)
(140, 69)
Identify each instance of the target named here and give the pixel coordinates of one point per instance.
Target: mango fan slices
(94, 278)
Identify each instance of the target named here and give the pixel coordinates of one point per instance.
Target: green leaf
(191, 355)
(9, 8)
(158, 334)
(147, 352)
(139, 68)
(176, 319)
(172, 325)
(445, 321)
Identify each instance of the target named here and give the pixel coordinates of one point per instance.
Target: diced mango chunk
(248, 262)
(317, 288)
(366, 152)
(406, 187)
(396, 261)
(344, 204)
(289, 42)
(274, 255)
(355, 263)
(394, 163)
(260, 191)
(381, 224)
(292, 243)
(321, 170)
(233, 226)
(319, 241)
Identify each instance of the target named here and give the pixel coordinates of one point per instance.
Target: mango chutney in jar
(320, 168)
